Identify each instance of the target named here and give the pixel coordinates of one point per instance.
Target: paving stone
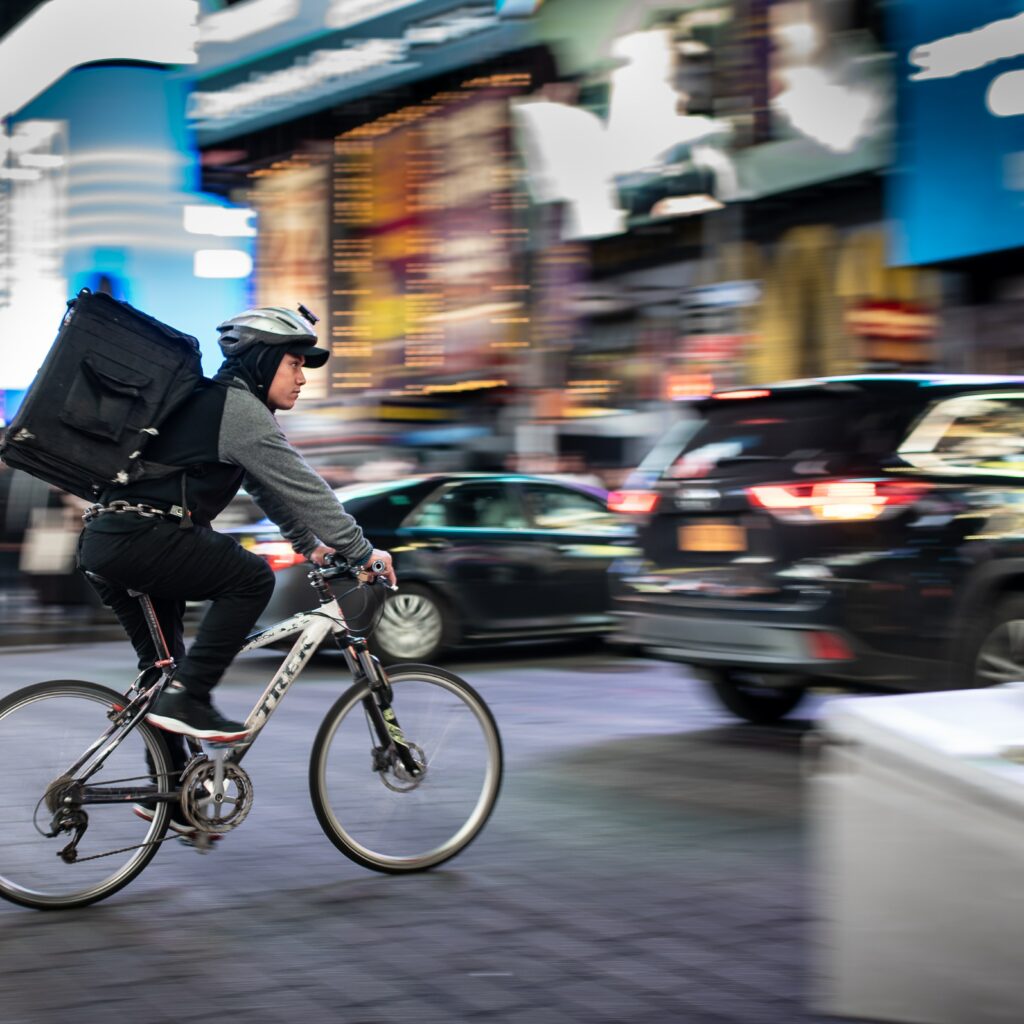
(645, 864)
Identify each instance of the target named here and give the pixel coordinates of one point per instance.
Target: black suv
(863, 531)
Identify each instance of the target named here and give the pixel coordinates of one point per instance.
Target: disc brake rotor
(395, 776)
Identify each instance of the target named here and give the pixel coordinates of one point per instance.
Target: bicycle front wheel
(44, 730)
(381, 817)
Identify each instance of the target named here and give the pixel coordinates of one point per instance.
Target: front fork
(377, 703)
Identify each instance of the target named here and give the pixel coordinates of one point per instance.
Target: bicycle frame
(311, 629)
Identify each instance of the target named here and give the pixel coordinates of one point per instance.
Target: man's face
(287, 382)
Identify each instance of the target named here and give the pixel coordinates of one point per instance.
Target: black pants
(173, 566)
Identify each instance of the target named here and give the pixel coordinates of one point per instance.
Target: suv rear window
(782, 428)
(978, 431)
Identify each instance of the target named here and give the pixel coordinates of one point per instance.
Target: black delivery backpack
(111, 378)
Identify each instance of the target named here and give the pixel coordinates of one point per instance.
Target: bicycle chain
(124, 849)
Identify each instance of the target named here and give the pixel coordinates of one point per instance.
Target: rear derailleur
(63, 800)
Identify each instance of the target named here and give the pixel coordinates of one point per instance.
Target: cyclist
(155, 536)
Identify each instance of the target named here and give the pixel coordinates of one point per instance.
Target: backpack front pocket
(102, 396)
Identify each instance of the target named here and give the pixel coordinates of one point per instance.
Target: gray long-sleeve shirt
(282, 483)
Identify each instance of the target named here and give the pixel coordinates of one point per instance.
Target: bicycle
(393, 797)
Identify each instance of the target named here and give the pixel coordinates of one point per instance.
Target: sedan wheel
(413, 627)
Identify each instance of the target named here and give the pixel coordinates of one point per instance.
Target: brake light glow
(827, 646)
(837, 500)
(278, 554)
(749, 393)
(632, 501)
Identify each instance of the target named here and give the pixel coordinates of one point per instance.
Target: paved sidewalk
(645, 862)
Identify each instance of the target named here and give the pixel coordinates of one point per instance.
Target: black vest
(189, 438)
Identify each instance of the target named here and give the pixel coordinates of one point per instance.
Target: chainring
(199, 806)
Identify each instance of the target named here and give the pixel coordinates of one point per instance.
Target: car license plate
(712, 536)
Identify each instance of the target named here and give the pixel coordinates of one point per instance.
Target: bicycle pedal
(201, 842)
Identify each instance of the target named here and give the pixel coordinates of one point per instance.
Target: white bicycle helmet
(273, 325)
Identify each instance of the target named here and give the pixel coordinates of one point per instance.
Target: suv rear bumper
(756, 636)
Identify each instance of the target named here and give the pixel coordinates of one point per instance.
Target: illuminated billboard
(704, 106)
(98, 191)
(266, 61)
(291, 201)
(959, 190)
(426, 231)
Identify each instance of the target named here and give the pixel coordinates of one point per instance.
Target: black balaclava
(256, 367)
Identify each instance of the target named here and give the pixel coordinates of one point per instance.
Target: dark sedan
(480, 558)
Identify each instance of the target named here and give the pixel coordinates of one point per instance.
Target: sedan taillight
(837, 500)
(278, 554)
(632, 501)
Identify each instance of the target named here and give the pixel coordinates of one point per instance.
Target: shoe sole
(173, 725)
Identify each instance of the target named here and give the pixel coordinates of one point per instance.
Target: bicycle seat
(96, 577)
(110, 583)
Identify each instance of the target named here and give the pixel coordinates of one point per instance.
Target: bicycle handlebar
(334, 567)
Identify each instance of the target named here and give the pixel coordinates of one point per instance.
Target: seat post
(164, 659)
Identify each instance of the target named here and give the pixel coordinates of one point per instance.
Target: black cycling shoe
(177, 710)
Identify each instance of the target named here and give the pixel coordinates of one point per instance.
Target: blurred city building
(99, 189)
(539, 228)
(99, 183)
(535, 229)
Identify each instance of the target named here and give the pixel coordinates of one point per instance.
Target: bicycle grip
(378, 568)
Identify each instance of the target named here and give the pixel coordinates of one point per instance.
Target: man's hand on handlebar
(379, 558)
(321, 554)
(325, 556)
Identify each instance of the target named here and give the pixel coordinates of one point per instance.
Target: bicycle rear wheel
(384, 819)
(44, 730)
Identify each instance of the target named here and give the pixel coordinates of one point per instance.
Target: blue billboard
(958, 186)
(123, 214)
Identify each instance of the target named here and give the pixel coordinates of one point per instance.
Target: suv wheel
(757, 697)
(999, 655)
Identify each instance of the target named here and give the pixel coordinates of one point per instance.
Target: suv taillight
(632, 501)
(837, 500)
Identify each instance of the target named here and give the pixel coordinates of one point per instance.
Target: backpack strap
(186, 515)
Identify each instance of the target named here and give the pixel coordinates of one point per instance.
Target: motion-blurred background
(534, 231)
(539, 234)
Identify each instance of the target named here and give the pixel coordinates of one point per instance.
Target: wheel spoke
(1001, 657)
(999, 667)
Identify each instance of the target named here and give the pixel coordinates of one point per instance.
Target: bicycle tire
(377, 826)
(44, 729)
